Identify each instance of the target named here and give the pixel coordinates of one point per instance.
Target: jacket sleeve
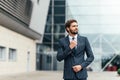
(89, 53)
(63, 52)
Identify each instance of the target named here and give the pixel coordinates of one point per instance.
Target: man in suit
(72, 50)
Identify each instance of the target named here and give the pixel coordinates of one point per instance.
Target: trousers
(76, 79)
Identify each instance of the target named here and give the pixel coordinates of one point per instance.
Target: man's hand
(77, 68)
(73, 44)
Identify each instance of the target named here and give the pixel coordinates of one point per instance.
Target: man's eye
(75, 26)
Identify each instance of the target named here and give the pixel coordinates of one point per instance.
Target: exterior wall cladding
(18, 9)
(18, 40)
(17, 15)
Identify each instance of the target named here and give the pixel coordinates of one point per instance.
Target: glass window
(28, 8)
(47, 37)
(48, 59)
(59, 2)
(56, 38)
(59, 19)
(83, 10)
(38, 1)
(49, 19)
(2, 53)
(50, 11)
(12, 54)
(59, 10)
(97, 19)
(59, 28)
(48, 28)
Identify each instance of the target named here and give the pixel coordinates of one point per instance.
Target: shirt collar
(70, 37)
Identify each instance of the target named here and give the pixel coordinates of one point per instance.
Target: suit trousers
(76, 79)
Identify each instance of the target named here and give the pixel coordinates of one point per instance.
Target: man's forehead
(74, 23)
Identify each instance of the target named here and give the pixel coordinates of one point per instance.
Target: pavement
(57, 75)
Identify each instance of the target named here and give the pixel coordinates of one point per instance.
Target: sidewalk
(57, 75)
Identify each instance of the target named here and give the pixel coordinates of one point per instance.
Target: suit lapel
(67, 40)
(79, 42)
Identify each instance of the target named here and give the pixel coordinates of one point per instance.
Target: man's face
(73, 29)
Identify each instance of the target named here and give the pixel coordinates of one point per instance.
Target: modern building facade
(99, 20)
(93, 17)
(18, 35)
(54, 30)
(30, 29)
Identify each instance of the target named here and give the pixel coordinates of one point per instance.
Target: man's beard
(73, 32)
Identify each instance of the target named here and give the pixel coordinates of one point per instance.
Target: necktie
(73, 38)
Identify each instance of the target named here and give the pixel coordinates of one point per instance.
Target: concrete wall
(39, 16)
(23, 45)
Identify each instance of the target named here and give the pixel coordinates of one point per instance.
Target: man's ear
(67, 29)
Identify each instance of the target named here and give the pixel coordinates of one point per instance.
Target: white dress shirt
(75, 38)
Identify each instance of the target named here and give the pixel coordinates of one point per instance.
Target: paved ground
(57, 75)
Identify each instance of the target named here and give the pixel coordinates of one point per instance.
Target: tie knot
(73, 38)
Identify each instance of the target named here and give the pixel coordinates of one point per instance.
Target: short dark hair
(68, 23)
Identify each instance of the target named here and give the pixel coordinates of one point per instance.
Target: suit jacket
(70, 58)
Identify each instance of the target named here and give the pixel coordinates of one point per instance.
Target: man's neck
(72, 35)
(75, 36)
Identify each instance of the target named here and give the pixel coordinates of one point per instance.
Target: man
(72, 50)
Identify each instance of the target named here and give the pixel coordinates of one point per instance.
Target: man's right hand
(73, 44)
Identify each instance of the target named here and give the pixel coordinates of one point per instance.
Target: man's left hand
(77, 68)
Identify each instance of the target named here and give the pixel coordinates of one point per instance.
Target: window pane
(59, 19)
(59, 2)
(59, 28)
(12, 55)
(59, 10)
(2, 53)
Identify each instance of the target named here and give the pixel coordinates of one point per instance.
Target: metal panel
(20, 9)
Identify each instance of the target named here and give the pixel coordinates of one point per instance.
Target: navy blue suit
(70, 58)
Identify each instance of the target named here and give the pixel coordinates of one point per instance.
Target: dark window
(56, 41)
(50, 11)
(38, 1)
(48, 28)
(59, 19)
(47, 38)
(28, 7)
(12, 54)
(2, 53)
(50, 2)
(49, 19)
(59, 10)
(59, 28)
(58, 36)
(58, 23)
(48, 59)
(59, 2)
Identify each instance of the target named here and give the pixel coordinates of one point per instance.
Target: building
(18, 35)
(23, 24)
(99, 20)
(54, 29)
(92, 17)
(30, 29)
